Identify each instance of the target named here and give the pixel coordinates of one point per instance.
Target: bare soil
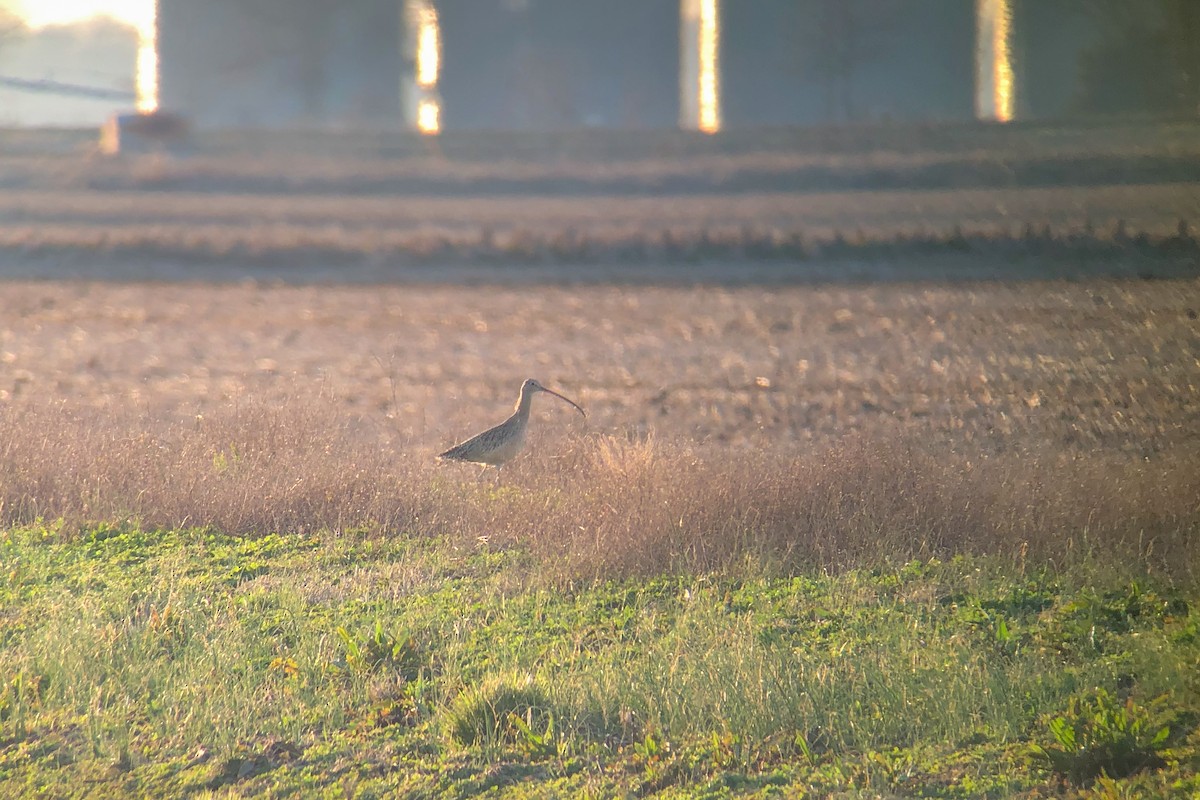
(1071, 367)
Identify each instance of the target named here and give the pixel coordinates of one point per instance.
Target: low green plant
(226, 462)
(544, 744)
(380, 650)
(651, 748)
(1101, 736)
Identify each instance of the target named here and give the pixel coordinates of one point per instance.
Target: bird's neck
(524, 402)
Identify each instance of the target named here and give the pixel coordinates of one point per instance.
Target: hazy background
(542, 64)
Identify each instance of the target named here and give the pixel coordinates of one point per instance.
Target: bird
(496, 446)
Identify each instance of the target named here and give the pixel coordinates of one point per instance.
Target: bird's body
(496, 446)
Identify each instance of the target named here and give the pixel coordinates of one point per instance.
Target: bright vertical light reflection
(428, 65)
(429, 116)
(1002, 55)
(700, 65)
(145, 77)
(429, 46)
(995, 89)
(710, 76)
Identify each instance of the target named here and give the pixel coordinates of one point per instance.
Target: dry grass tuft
(649, 506)
(608, 506)
(250, 469)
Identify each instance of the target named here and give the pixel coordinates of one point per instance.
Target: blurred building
(1107, 57)
(533, 64)
(831, 61)
(559, 64)
(554, 64)
(268, 63)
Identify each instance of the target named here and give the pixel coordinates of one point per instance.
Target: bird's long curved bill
(565, 400)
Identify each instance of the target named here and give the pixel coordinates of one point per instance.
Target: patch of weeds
(1187, 632)
(165, 629)
(400, 710)
(536, 742)
(104, 531)
(1090, 620)
(123, 543)
(507, 708)
(270, 546)
(1020, 601)
(245, 572)
(993, 626)
(380, 650)
(227, 462)
(916, 570)
(19, 695)
(248, 557)
(250, 760)
(393, 701)
(264, 618)
(1101, 736)
(661, 766)
(1013, 620)
(285, 666)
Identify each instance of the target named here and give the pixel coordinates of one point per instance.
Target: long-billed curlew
(497, 445)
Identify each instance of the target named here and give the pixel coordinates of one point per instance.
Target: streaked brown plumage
(498, 445)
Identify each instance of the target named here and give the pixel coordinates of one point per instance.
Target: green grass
(164, 663)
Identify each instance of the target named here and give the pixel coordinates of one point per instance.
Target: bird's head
(531, 386)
